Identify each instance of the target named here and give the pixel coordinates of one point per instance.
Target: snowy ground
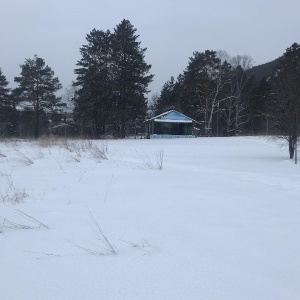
(220, 220)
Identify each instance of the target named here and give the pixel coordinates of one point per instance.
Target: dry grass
(28, 223)
(143, 245)
(9, 193)
(98, 152)
(96, 149)
(155, 163)
(102, 242)
(24, 159)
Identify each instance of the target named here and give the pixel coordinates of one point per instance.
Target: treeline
(225, 95)
(107, 97)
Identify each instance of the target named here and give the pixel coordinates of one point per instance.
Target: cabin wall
(173, 128)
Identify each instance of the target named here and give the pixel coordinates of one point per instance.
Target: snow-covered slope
(220, 220)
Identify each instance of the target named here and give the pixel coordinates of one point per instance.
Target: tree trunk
(291, 147)
(123, 133)
(96, 133)
(37, 120)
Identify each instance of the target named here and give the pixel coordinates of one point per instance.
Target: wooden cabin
(171, 124)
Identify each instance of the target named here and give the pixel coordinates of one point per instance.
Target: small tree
(284, 105)
(37, 88)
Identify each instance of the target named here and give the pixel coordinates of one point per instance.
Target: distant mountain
(265, 70)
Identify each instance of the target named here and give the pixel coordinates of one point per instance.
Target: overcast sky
(171, 30)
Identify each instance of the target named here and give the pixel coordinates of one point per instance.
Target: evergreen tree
(8, 112)
(168, 98)
(197, 85)
(202, 88)
(92, 104)
(4, 104)
(130, 77)
(257, 113)
(4, 90)
(37, 88)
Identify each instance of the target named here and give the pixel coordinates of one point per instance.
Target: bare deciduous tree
(284, 105)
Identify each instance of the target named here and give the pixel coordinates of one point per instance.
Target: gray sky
(171, 30)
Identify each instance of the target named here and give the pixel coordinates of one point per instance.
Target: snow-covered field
(220, 220)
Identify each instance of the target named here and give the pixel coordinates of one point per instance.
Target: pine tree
(256, 110)
(4, 103)
(94, 81)
(4, 93)
(8, 111)
(197, 85)
(4, 90)
(37, 88)
(203, 82)
(169, 97)
(130, 77)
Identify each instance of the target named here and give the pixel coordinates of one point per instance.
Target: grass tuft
(100, 237)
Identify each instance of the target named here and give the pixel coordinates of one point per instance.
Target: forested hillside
(266, 70)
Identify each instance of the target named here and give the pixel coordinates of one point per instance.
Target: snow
(219, 220)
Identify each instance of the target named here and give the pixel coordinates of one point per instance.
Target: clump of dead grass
(9, 192)
(153, 163)
(102, 245)
(28, 222)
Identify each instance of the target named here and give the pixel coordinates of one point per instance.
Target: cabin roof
(172, 116)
